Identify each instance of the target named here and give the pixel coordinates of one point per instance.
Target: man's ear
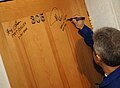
(98, 59)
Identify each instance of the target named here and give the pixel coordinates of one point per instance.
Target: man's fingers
(74, 20)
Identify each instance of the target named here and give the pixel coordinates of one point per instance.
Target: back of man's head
(107, 45)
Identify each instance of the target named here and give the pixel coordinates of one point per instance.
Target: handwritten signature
(56, 14)
(17, 30)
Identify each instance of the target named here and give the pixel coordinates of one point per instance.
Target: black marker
(77, 18)
(5, 0)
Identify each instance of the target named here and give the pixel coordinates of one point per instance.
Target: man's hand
(78, 23)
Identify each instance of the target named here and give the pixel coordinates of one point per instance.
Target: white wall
(4, 83)
(116, 7)
(103, 13)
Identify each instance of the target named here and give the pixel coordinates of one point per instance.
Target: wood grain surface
(41, 49)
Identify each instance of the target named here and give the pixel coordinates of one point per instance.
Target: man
(105, 43)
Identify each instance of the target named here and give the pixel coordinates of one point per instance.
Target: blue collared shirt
(113, 79)
(87, 33)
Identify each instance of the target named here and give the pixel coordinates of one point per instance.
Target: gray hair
(107, 45)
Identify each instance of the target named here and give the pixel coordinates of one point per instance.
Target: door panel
(41, 49)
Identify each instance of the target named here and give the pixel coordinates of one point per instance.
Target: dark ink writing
(16, 24)
(17, 30)
(20, 35)
(56, 16)
(9, 31)
(37, 18)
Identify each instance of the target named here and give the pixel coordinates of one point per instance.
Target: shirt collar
(109, 78)
(106, 75)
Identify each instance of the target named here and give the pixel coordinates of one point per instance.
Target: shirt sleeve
(87, 33)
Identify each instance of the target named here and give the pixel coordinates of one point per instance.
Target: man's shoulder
(114, 84)
(112, 80)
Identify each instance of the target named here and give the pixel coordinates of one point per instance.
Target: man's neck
(108, 69)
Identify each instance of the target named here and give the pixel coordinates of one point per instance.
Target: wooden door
(40, 49)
